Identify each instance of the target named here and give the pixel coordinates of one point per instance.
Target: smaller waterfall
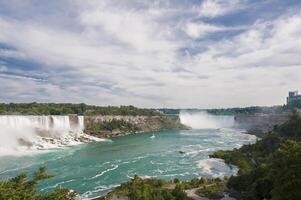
(81, 125)
(20, 133)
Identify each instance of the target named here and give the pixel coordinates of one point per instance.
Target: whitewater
(94, 168)
(27, 134)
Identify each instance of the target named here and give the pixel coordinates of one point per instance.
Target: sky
(150, 53)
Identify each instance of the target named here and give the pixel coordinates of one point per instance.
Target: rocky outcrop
(143, 124)
(260, 123)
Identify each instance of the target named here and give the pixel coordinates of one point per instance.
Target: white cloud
(265, 44)
(196, 30)
(11, 54)
(216, 8)
(116, 53)
(130, 28)
(200, 30)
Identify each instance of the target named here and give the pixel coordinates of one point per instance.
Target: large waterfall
(204, 120)
(24, 133)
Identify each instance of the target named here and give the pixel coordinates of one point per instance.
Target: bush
(285, 172)
(210, 190)
(20, 188)
(291, 128)
(148, 189)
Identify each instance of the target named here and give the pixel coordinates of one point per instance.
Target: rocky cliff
(260, 123)
(134, 124)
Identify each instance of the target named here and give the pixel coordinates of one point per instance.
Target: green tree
(179, 193)
(20, 188)
(291, 128)
(285, 172)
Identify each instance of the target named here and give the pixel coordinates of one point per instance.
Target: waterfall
(42, 122)
(203, 120)
(19, 133)
(61, 123)
(50, 124)
(81, 125)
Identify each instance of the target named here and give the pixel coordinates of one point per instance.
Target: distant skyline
(150, 53)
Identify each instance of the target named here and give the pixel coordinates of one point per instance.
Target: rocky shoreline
(258, 124)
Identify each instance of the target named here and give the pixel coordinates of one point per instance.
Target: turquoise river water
(93, 169)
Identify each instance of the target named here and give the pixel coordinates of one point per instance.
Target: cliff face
(260, 123)
(141, 123)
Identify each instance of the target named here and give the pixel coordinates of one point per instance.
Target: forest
(270, 168)
(69, 108)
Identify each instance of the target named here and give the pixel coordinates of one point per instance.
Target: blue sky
(150, 53)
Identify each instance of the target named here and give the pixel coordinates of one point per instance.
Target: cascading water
(203, 120)
(24, 133)
(61, 124)
(81, 125)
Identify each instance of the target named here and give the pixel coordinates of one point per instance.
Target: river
(93, 169)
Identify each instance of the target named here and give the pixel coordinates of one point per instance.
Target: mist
(204, 120)
(23, 134)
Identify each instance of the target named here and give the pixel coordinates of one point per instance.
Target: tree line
(69, 108)
(231, 111)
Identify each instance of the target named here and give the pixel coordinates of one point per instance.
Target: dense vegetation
(158, 189)
(291, 128)
(213, 190)
(148, 189)
(68, 108)
(170, 111)
(83, 109)
(294, 104)
(22, 188)
(270, 168)
(114, 124)
(229, 111)
(246, 110)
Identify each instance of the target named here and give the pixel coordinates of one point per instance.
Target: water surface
(92, 169)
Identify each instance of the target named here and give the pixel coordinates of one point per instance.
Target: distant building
(293, 96)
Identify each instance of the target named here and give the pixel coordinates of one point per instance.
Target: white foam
(57, 184)
(214, 167)
(21, 135)
(176, 175)
(104, 172)
(96, 190)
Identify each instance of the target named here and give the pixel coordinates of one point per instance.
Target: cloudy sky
(150, 53)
